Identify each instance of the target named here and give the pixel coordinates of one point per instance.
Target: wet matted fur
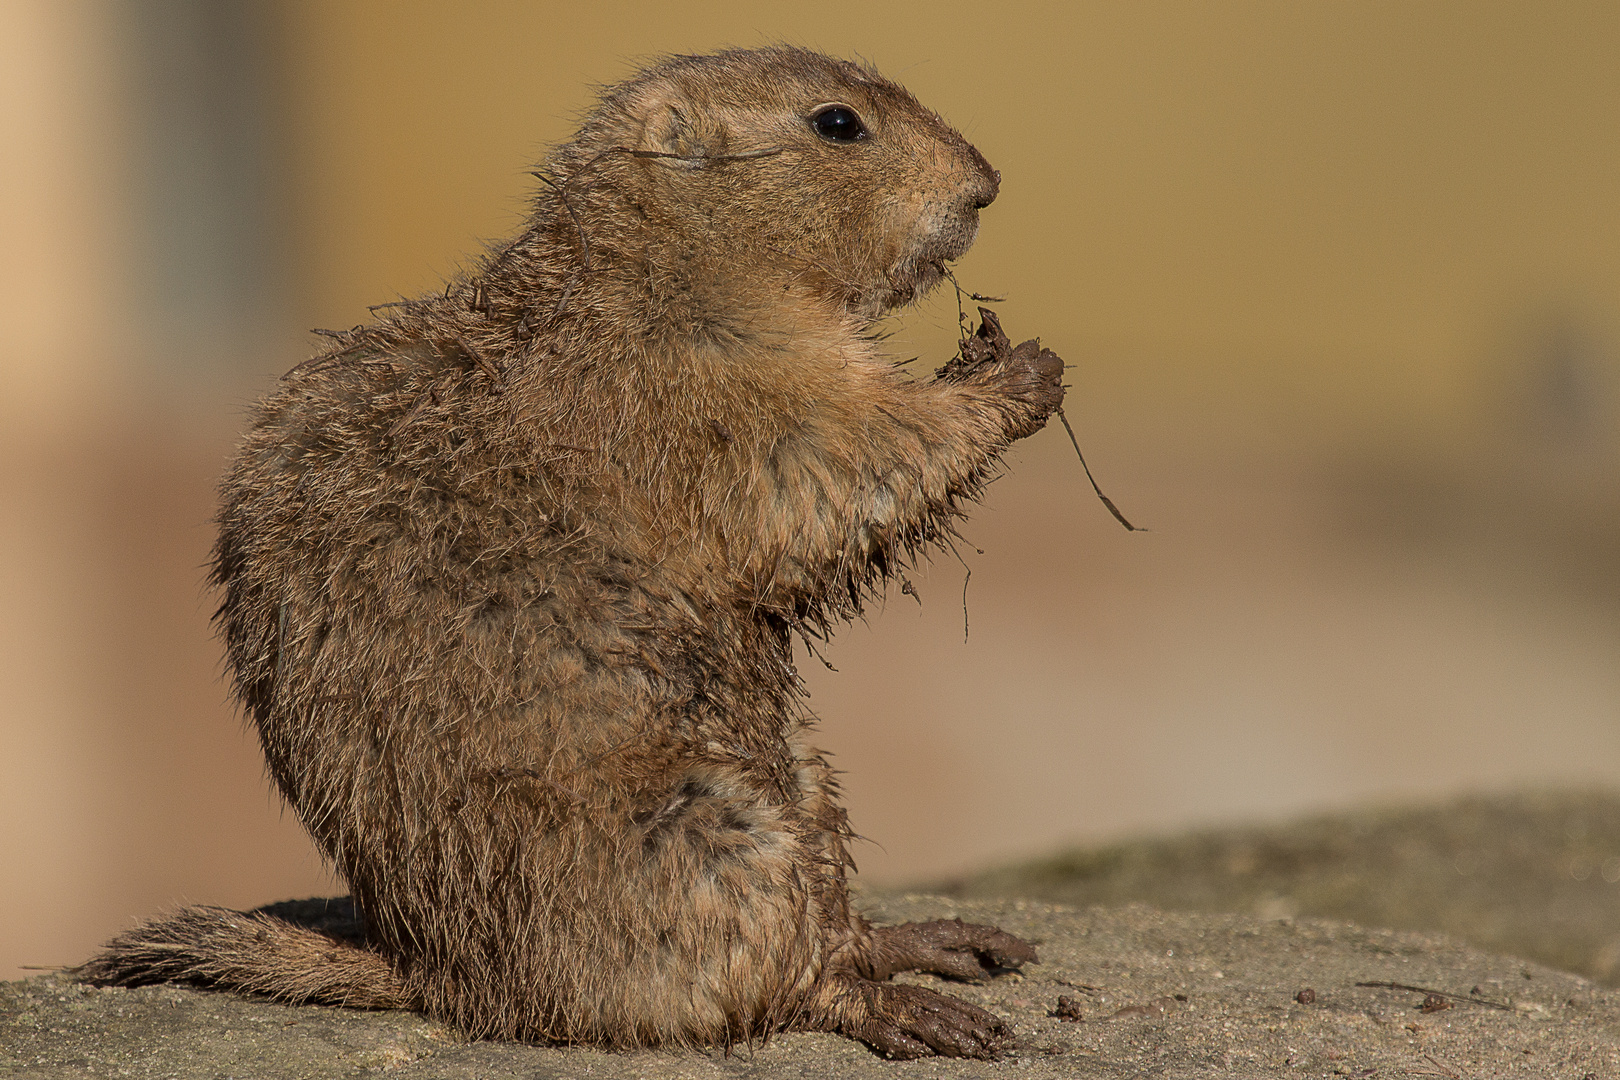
(510, 576)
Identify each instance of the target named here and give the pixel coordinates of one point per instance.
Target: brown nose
(988, 195)
(987, 181)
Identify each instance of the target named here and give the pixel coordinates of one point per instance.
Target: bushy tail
(252, 952)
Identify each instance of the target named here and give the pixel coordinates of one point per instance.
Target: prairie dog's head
(785, 158)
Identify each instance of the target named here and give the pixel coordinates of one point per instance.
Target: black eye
(838, 123)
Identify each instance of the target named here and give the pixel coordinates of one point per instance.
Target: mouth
(914, 278)
(919, 271)
(906, 282)
(927, 275)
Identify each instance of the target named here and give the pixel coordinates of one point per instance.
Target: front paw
(1029, 376)
(1034, 377)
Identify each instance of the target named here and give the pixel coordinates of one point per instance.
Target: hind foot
(948, 947)
(911, 1021)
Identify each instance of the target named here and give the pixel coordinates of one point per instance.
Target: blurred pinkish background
(1340, 282)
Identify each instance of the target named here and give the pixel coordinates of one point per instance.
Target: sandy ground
(1148, 994)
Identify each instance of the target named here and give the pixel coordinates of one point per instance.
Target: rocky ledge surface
(1120, 992)
(1533, 874)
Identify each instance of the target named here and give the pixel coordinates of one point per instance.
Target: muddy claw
(947, 947)
(912, 1022)
(1025, 373)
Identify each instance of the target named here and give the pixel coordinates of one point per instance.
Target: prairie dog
(510, 576)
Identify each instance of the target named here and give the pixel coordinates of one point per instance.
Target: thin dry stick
(479, 359)
(1438, 993)
(967, 578)
(1106, 501)
(584, 240)
(1437, 1069)
(749, 155)
(961, 323)
(961, 292)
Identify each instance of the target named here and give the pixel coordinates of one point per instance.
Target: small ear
(668, 132)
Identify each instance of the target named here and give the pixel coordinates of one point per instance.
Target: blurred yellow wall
(1335, 211)
(1340, 282)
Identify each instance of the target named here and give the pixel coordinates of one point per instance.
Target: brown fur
(510, 576)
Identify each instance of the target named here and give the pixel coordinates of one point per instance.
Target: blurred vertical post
(141, 277)
(65, 319)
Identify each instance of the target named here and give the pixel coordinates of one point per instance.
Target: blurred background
(1340, 285)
